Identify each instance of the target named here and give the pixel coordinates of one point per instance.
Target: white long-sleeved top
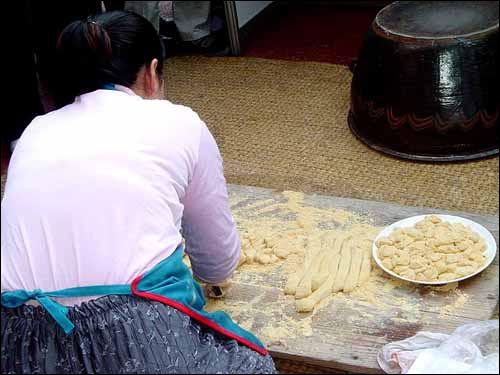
(96, 193)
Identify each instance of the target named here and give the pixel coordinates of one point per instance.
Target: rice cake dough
(432, 250)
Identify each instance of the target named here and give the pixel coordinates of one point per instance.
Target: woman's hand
(217, 290)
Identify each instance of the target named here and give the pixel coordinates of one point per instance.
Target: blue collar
(108, 86)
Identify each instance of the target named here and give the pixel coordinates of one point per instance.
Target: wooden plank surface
(347, 333)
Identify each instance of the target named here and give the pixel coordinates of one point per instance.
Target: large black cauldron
(426, 84)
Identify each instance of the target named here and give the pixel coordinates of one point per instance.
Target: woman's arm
(212, 241)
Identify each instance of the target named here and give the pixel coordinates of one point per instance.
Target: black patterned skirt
(121, 335)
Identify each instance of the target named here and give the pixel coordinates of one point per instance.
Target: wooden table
(348, 332)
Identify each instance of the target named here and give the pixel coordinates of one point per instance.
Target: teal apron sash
(169, 282)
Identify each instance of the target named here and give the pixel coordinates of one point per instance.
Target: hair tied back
(98, 39)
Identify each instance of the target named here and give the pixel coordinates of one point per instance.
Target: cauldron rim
(389, 32)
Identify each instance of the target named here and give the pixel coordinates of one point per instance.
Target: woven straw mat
(282, 125)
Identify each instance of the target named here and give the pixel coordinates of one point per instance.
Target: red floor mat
(321, 33)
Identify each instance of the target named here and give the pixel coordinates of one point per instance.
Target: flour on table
(331, 260)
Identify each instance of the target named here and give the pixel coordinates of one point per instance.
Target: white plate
(490, 252)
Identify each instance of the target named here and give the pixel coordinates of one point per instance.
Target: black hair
(109, 48)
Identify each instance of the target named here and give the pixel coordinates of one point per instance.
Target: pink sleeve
(212, 240)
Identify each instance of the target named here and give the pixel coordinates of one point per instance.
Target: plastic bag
(471, 349)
